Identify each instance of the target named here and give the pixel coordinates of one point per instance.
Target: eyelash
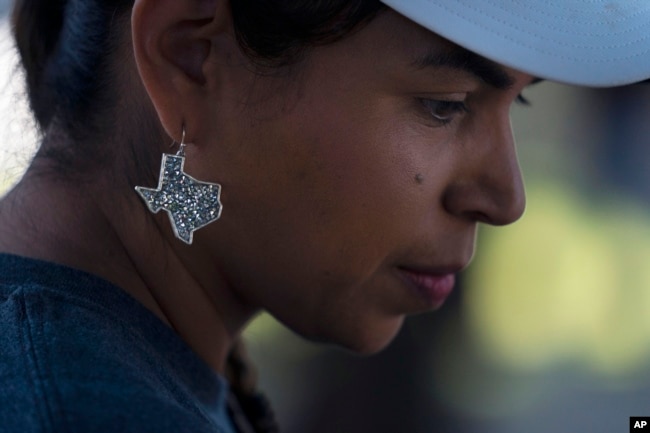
(450, 108)
(521, 100)
(454, 108)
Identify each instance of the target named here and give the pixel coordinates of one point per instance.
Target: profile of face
(352, 182)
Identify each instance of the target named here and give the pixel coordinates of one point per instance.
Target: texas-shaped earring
(190, 203)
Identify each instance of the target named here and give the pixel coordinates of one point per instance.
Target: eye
(522, 100)
(444, 112)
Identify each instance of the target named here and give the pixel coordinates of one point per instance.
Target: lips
(433, 286)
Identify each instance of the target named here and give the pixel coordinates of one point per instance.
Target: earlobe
(172, 42)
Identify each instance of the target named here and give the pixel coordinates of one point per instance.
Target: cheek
(364, 187)
(336, 189)
(378, 176)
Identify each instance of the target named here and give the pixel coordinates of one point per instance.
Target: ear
(173, 44)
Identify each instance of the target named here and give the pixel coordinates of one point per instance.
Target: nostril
(480, 217)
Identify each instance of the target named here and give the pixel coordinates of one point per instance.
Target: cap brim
(597, 43)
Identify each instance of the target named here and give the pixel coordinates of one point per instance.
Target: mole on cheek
(419, 178)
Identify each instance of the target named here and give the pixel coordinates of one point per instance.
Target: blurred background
(550, 330)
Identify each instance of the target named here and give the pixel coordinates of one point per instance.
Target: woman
(326, 162)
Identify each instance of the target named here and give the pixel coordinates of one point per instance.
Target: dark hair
(63, 45)
(277, 33)
(67, 47)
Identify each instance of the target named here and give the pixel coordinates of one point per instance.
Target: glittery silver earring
(190, 203)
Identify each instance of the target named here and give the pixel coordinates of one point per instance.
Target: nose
(488, 185)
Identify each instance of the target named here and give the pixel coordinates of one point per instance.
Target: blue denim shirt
(78, 354)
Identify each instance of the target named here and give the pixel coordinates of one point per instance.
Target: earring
(190, 203)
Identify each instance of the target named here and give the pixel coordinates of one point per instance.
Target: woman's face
(353, 185)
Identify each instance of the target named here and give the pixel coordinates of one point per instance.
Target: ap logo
(640, 424)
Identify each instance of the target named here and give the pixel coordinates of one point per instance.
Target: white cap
(586, 42)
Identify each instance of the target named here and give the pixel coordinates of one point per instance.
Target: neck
(107, 232)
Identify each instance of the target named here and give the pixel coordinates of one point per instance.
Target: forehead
(394, 33)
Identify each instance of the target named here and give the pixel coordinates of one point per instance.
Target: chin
(368, 348)
(368, 340)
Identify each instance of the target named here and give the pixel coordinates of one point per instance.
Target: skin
(336, 174)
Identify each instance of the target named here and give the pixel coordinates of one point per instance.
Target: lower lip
(435, 289)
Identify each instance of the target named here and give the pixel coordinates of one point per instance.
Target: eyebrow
(462, 59)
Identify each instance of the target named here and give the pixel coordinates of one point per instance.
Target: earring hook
(181, 149)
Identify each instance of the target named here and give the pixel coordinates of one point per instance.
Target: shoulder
(69, 363)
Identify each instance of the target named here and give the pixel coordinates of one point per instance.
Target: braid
(249, 408)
